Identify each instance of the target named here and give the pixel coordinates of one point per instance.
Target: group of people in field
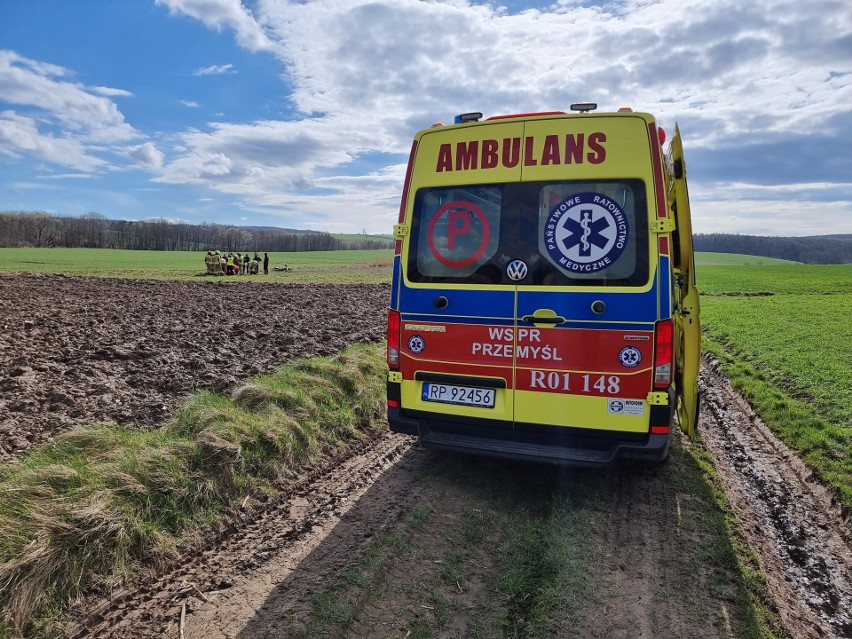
(235, 263)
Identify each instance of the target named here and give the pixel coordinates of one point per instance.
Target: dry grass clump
(102, 502)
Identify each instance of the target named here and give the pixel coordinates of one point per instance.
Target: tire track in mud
(210, 588)
(801, 535)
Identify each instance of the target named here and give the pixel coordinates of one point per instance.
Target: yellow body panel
(440, 147)
(688, 342)
(579, 411)
(614, 145)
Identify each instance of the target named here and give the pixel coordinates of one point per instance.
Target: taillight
(393, 339)
(663, 349)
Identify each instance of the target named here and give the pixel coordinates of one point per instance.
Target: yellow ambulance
(543, 304)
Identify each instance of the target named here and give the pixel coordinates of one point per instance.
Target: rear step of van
(571, 451)
(655, 449)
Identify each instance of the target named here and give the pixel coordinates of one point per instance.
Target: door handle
(543, 316)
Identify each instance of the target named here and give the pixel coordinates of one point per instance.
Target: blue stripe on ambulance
(462, 302)
(665, 288)
(394, 303)
(632, 307)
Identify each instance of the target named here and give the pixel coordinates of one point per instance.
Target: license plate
(463, 395)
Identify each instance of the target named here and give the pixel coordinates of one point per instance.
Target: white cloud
(38, 86)
(67, 176)
(55, 120)
(219, 14)
(783, 217)
(147, 154)
(216, 69)
(20, 135)
(111, 93)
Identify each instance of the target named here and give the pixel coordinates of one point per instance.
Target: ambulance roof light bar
(584, 107)
(475, 116)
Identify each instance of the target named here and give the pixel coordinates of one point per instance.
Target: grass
(344, 267)
(735, 259)
(781, 279)
(101, 502)
(785, 351)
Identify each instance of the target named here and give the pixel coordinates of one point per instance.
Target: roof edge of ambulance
(541, 115)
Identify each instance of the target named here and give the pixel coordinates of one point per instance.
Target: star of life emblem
(586, 232)
(630, 356)
(416, 344)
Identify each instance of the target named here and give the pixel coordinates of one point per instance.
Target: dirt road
(147, 344)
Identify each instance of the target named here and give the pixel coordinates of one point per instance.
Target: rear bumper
(570, 447)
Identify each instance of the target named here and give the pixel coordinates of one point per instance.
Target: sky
(300, 113)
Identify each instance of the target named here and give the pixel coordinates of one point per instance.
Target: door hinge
(395, 376)
(657, 399)
(662, 225)
(400, 231)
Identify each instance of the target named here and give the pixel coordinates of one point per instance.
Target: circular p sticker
(458, 234)
(586, 232)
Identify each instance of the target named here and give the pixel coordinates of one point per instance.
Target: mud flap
(687, 315)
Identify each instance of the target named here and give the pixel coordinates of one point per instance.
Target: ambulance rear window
(563, 233)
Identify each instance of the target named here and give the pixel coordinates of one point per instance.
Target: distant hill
(823, 249)
(846, 237)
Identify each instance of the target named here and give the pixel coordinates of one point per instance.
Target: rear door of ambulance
(687, 318)
(456, 317)
(587, 308)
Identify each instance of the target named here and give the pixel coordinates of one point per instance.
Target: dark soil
(79, 350)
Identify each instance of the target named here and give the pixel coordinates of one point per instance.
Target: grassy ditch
(100, 503)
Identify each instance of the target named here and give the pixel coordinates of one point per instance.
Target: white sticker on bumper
(625, 406)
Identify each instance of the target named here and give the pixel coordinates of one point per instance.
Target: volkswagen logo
(516, 270)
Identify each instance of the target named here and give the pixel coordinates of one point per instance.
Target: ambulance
(543, 304)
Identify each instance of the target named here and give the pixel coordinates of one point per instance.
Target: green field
(364, 266)
(783, 333)
(734, 259)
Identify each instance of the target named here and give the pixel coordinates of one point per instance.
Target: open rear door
(687, 315)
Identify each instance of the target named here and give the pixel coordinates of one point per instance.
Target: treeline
(810, 250)
(26, 229)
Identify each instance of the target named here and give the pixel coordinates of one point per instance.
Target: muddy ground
(81, 350)
(78, 350)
